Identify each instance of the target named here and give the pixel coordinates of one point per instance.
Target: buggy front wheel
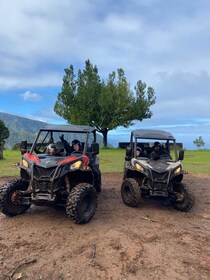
(12, 201)
(81, 203)
(183, 200)
(130, 192)
(97, 180)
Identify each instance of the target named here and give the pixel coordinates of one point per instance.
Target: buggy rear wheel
(81, 203)
(130, 192)
(12, 196)
(184, 201)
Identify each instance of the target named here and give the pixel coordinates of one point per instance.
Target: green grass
(112, 160)
(6, 164)
(197, 162)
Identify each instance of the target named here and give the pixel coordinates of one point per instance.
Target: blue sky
(164, 43)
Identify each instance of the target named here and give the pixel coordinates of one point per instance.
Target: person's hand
(62, 137)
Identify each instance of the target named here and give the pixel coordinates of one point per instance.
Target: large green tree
(87, 100)
(4, 134)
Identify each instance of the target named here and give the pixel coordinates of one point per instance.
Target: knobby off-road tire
(185, 200)
(1, 190)
(130, 192)
(81, 203)
(10, 198)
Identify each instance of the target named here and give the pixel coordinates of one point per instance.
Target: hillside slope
(20, 128)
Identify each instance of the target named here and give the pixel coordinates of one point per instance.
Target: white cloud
(182, 94)
(164, 43)
(137, 36)
(47, 115)
(46, 79)
(31, 96)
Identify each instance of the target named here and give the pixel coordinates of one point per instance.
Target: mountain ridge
(22, 128)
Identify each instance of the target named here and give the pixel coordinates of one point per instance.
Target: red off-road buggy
(72, 180)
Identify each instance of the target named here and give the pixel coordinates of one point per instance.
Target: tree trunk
(1, 150)
(105, 133)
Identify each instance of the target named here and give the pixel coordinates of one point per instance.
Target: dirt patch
(149, 242)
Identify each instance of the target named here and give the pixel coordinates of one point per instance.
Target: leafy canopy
(199, 142)
(85, 99)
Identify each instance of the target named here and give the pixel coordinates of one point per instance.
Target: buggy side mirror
(23, 147)
(128, 153)
(94, 148)
(181, 155)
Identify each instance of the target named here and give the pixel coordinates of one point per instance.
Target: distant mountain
(25, 129)
(20, 128)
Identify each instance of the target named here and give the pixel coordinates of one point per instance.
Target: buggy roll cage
(50, 129)
(153, 135)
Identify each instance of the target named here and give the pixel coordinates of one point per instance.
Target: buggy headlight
(76, 165)
(138, 167)
(24, 163)
(178, 170)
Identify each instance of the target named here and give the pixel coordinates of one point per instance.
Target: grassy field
(6, 164)
(197, 162)
(112, 160)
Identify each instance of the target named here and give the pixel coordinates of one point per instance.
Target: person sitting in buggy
(75, 148)
(51, 149)
(141, 152)
(138, 152)
(159, 151)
